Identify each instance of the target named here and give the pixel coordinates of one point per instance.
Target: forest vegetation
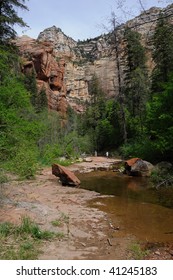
(31, 136)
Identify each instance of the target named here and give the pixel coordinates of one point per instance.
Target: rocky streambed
(89, 231)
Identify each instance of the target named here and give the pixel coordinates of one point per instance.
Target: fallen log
(66, 176)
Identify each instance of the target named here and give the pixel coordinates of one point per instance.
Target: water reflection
(148, 222)
(134, 206)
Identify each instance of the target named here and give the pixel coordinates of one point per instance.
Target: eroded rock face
(66, 67)
(97, 55)
(62, 44)
(83, 60)
(40, 58)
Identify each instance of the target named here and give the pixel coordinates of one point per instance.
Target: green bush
(50, 153)
(3, 177)
(25, 162)
(137, 252)
(142, 148)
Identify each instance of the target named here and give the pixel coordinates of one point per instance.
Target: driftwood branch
(165, 182)
(109, 242)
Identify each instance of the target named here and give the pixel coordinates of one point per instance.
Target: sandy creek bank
(88, 231)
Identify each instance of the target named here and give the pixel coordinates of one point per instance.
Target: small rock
(88, 159)
(171, 252)
(157, 253)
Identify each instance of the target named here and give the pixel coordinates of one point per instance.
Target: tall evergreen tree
(159, 109)
(31, 86)
(162, 54)
(160, 121)
(96, 109)
(136, 78)
(9, 18)
(120, 96)
(100, 121)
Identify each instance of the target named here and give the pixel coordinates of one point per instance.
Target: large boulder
(66, 176)
(138, 167)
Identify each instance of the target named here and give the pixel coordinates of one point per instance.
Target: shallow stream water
(133, 205)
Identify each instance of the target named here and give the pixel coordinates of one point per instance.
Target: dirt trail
(88, 231)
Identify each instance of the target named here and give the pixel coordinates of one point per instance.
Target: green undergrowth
(3, 177)
(23, 242)
(137, 252)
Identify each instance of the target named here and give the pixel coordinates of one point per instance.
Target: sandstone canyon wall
(40, 58)
(65, 67)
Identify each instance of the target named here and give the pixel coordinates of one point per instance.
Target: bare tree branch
(141, 4)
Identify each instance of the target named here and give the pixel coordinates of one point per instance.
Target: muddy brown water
(142, 211)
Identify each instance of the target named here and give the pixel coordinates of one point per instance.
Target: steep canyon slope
(65, 67)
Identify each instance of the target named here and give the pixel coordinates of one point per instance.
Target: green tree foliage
(62, 141)
(42, 100)
(31, 86)
(20, 128)
(28, 133)
(159, 109)
(156, 142)
(136, 84)
(162, 54)
(120, 95)
(134, 50)
(95, 110)
(160, 121)
(38, 98)
(9, 18)
(100, 121)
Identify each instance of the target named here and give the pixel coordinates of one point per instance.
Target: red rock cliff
(39, 57)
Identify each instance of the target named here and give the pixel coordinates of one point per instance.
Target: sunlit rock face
(83, 60)
(97, 55)
(39, 57)
(66, 67)
(62, 44)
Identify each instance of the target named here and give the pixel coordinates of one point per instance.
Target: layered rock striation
(97, 55)
(65, 67)
(39, 58)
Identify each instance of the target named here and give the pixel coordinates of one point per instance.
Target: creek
(133, 205)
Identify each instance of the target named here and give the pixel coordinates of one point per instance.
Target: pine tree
(120, 94)
(9, 17)
(162, 54)
(136, 79)
(159, 109)
(31, 86)
(95, 111)
(160, 121)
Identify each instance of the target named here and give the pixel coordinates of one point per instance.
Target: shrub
(24, 162)
(142, 148)
(137, 252)
(50, 153)
(3, 177)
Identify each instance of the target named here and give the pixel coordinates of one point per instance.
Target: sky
(80, 19)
